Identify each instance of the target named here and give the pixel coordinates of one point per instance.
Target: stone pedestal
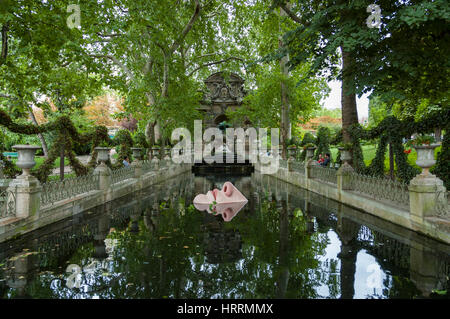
(167, 152)
(343, 177)
(155, 163)
(422, 196)
(104, 173)
(28, 195)
(289, 164)
(137, 165)
(423, 188)
(27, 187)
(309, 163)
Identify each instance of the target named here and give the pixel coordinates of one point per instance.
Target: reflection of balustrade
(380, 188)
(325, 174)
(55, 191)
(8, 202)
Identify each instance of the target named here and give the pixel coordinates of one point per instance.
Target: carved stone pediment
(219, 89)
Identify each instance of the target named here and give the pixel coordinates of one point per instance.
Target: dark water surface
(285, 243)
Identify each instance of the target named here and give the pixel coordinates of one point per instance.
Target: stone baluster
(102, 169)
(344, 172)
(137, 163)
(167, 152)
(309, 161)
(291, 159)
(423, 187)
(27, 187)
(155, 159)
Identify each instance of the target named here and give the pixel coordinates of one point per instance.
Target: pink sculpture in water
(227, 202)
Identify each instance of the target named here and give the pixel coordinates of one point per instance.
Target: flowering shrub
(421, 140)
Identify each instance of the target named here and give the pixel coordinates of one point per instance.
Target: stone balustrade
(26, 204)
(421, 206)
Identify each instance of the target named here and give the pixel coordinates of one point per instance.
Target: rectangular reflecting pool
(285, 242)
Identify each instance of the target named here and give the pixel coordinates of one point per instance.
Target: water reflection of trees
(166, 248)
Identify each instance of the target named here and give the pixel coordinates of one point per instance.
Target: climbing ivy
(125, 143)
(392, 130)
(323, 141)
(442, 167)
(66, 134)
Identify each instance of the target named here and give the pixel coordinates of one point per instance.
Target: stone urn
(310, 152)
(136, 152)
(102, 154)
(345, 155)
(26, 157)
(167, 152)
(292, 152)
(155, 151)
(425, 157)
(178, 152)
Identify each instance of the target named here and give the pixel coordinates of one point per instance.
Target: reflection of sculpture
(227, 202)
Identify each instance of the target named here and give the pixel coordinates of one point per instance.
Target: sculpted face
(227, 202)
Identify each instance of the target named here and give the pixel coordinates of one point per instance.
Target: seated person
(326, 160)
(321, 159)
(126, 162)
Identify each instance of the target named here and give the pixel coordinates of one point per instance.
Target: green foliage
(262, 106)
(346, 146)
(323, 142)
(125, 141)
(421, 140)
(442, 167)
(308, 138)
(405, 58)
(393, 131)
(333, 113)
(66, 136)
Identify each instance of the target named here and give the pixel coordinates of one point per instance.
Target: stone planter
(136, 152)
(345, 155)
(26, 157)
(425, 157)
(102, 154)
(310, 152)
(167, 152)
(155, 151)
(292, 152)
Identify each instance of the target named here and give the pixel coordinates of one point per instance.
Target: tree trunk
(437, 134)
(150, 132)
(348, 100)
(40, 135)
(285, 121)
(391, 161)
(61, 163)
(4, 52)
(157, 132)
